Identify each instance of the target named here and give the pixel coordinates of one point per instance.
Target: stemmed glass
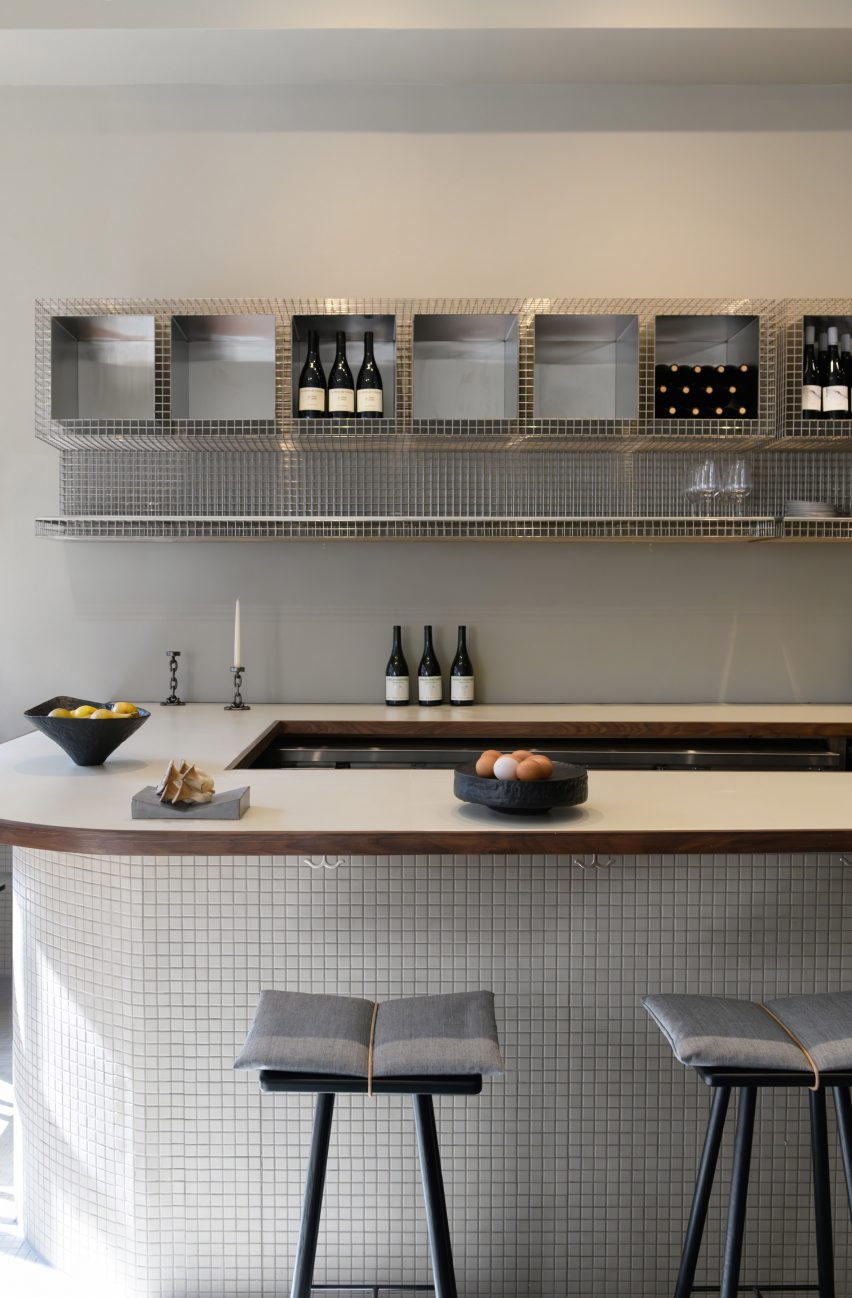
(737, 484)
(704, 485)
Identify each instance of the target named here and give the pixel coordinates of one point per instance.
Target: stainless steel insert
(354, 752)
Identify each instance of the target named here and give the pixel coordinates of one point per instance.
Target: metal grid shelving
(164, 433)
(793, 430)
(371, 527)
(287, 478)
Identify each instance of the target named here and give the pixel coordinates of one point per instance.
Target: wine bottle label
(370, 400)
(429, 689)
(396, 689)
(835, 397)
(811, 396)
(461, 689)
(312, 399)
(341, 401)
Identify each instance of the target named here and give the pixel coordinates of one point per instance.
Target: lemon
(126, 709)
(100, 713)
(59, 712)
(84, 710)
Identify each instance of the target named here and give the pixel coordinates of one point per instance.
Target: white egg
(505, 768)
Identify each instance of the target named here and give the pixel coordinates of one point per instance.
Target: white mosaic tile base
(5, 911)
(148, 1162)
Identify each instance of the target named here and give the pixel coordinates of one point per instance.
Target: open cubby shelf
(486, 404)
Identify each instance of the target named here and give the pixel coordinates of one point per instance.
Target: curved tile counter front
(149, 1163)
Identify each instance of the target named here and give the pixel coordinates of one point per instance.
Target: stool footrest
(375, 1289)
(341, 1084)
(757, 1290)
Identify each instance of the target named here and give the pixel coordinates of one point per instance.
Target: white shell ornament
(183, 782)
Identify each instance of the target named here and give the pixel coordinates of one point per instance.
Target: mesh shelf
(816, 529)
(281, 476)
(192, 528)
(793, 429)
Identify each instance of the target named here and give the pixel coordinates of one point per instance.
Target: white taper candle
(238, 662)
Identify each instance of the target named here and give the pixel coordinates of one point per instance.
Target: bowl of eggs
(522, 783)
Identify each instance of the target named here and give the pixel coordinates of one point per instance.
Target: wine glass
(737, 484)
(703, 486)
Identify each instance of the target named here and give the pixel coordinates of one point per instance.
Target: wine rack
(794, 431)
(506, 418)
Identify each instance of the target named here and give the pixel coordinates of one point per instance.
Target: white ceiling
(272, 15)
(415, 42)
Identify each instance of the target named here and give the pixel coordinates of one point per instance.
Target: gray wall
(205, 192)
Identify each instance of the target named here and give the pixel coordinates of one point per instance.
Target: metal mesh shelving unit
(405, 477)
(369, 527)
(794, 432)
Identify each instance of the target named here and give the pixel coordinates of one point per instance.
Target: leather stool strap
(796, 1042)
(371, 1049)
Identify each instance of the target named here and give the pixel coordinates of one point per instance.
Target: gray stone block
(145, 805)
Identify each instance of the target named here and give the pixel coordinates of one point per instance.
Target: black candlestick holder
(237, 705)
(173, 701)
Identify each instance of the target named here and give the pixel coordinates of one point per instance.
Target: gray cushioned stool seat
(717, 1031)
(455, 1033)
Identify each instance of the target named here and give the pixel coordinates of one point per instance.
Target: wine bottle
(822, 352)
(429, 688)
(369, 396)
(312, 394)
(811, 382)
(396, 674)
(461, 674)
(846, 359)
(835, 389)
(341, 389)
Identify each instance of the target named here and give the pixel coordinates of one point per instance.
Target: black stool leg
(303, 1271)
(822, 1194)
(703, 1187)
(843, 1108)
(433, 1195)
(739, 1192)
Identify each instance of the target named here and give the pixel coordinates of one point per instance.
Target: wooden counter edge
(225, 842)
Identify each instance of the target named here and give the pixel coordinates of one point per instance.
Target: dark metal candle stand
(237, 705)
(173, 701)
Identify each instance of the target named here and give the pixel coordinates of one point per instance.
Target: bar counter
(47, 802)
(149, 1166)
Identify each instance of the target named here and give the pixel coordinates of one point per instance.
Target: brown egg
(530, 770)
(544, 763)
(521, 754)
(485, 764)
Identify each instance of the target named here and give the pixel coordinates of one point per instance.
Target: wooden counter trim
(224, 842)
(488, 731)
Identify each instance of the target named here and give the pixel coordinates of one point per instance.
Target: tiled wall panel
(6, 911)
(569, 1177)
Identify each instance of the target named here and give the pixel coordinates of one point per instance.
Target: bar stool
(330, 1045)
(743, 1046)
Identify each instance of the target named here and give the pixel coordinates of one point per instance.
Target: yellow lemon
(84, 710)
(100, 713)
(59, 712)
(125, 709)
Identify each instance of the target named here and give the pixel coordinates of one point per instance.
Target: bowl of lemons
(88, 732)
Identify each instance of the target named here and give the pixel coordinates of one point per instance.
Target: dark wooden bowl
(87, 742)
(568, 786)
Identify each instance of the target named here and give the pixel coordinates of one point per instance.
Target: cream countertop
(43, 794)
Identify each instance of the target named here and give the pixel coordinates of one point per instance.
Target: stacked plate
(810, 509)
